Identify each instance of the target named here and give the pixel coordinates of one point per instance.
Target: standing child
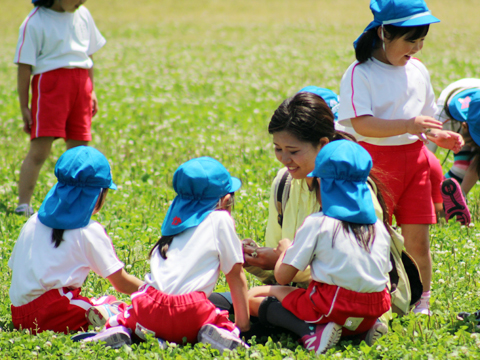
(348, 251)
(198, 240)
(388, 104)
(59, 246)
(55, 45)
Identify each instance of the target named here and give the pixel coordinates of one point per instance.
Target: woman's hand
(263, 257)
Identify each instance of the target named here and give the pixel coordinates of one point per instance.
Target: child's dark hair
(370, 41)
(57, 234)
(307, 117)
(44, 3)
(165, 241)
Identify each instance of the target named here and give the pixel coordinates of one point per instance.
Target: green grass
(179, 79)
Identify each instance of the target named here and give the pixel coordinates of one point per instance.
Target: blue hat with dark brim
(459, 104)
(81, 172)
(330, 97)
(399, 13)
(200, 183)
(343, 167)
(473, 117)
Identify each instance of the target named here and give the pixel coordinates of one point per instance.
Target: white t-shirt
(38, 267)
(196, 256)
(344, 264)
(386, 92)
(50, 40)
(455, 87)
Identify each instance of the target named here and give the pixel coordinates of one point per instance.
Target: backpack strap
(282, 192)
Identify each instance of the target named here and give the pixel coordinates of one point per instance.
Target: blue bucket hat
(473, 118)
(330, 97)
(459, 104)
(81, 172)
(399, 13)
(343, 167)
(199, 183)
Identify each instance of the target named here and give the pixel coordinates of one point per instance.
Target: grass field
(179, 79)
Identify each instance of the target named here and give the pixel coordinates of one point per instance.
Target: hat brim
(236, 184)
(113, 186)
(418, 21)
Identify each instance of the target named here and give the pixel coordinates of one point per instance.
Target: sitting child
(348, 250)
(59, 246)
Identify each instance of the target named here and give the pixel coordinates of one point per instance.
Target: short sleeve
(355, 94)
(228, 244)
(98, 250)
(300, 253)
(273, 232)
(97, 41)
(29, 42)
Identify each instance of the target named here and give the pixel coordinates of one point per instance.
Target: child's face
(298, 156)
(399, 50)
(67, 5)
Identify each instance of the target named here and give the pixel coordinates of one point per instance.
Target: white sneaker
(376, 332)
(25, 210)
(218, 338)
(422, 306)
(115, 337)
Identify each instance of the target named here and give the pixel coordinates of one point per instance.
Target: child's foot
(98, 315)
(218, 338)
(454, 201)
(422, 306)
(376, 332)
(115, 337)
(81, 336)
(24, 210)
(324, 337)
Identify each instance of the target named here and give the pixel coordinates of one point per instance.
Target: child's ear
(224, 201)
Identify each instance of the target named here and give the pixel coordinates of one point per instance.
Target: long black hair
(44, 3)
(369, 40)
(57, 234)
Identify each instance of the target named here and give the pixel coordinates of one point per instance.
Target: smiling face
(67, 5)
(298, 156)
(398, 51)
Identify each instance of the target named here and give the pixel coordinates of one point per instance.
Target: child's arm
(447, 139)
(284, 273)
(24, 73)
(371, 126)
(238, 288)
(94, 96)
(124, 282)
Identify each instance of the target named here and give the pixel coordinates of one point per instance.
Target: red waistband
(417, 145)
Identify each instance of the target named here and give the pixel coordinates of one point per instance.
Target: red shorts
(62, 104)
(170, 317)
(59, 310)
(436, 177)
(322, 303)
(405, 172)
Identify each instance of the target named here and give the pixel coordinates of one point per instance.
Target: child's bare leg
(257, 294)
(471, 176)
(38, 153)
(417, 244)
(74, 143)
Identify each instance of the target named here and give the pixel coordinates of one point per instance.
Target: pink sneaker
(422, 306)
(324, 337)
(454, 201)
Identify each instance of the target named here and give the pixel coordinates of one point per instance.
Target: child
(198, 240)
(55, 45)
(459, 110)
(59, 246)
(388, 104)
(348, 250)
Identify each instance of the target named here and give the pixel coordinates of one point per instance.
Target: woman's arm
(24, 73)
(238, 288)
(124, 282)
(371, 126)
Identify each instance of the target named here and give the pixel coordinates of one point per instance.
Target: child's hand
(419, 125)
(27, 120)
(447, 139)
(94, 104)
